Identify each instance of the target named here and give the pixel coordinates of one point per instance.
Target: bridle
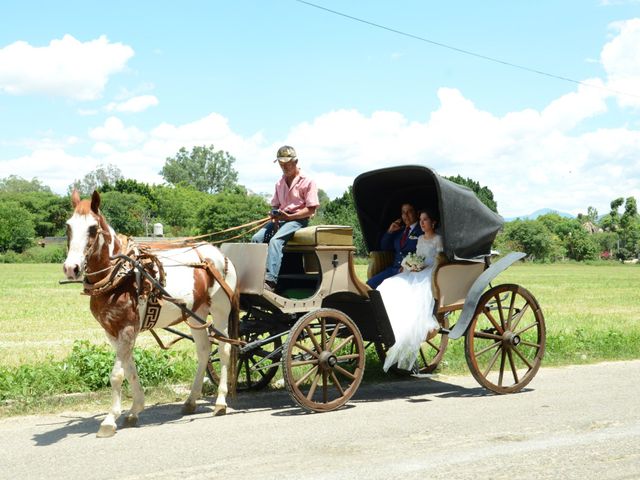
(89, 250)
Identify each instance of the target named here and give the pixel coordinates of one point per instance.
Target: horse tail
(234, 333)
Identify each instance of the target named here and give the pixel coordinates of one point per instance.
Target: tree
(534, 238)
(342, 211)
(177, 208)
(16, 184)
(484, 194)
(48, 210)
(204, 168)
(94, 180)
(230, 209)
(16, 227)
(127, 213)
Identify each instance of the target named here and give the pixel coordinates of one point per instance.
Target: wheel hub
(327, 360)
(510, 339)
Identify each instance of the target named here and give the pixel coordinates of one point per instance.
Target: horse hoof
(131, 421)
(219, 410)
(106, 431)
(188, 408)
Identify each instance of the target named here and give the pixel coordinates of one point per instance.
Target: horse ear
(95, 202)
(75, 198)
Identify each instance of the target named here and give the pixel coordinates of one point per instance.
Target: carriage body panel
(317, 262)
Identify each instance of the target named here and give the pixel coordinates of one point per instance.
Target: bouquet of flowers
(413, 262)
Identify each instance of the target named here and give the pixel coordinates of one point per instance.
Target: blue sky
(129, 83)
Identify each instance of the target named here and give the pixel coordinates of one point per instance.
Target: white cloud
(114, 131)
(133, 105)
(621, 60)
(66, 67)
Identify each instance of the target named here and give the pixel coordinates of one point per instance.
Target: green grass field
(592, 312)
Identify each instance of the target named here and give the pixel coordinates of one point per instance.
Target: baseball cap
(286, 154)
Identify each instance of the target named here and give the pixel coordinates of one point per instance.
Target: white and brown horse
(118, 308)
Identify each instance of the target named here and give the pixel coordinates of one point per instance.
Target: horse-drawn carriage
(321, 318)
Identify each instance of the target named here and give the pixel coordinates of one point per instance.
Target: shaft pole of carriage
(184, 309)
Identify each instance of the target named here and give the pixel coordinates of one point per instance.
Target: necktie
(403, 239)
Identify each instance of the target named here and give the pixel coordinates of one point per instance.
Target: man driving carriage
(294, 202)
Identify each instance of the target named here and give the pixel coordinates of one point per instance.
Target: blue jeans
(276, 244)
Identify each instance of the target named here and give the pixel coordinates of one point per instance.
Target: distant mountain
(542, 211)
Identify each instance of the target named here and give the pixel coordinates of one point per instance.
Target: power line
(466, 52)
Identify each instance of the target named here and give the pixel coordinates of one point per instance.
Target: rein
(255, 225)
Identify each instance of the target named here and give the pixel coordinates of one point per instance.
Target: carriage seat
(334, 235)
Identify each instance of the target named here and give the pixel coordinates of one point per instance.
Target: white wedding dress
(409, 303)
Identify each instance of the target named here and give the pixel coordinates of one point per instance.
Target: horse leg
(108, 425)
(203, 350)
(131, 373)
(220, 313)
(123, 346)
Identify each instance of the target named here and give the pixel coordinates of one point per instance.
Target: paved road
(570, 423)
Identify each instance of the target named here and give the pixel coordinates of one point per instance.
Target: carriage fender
(477, 289)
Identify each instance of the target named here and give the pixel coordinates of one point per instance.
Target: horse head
(88, 235)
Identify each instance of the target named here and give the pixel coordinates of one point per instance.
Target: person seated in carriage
(408, 298)
(294, 202)
(401, 237)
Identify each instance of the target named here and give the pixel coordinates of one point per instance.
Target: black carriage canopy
(468, 227)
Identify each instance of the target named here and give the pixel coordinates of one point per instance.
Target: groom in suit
(401, 237)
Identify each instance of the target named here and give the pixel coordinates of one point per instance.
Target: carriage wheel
(431, 350)
(256, 368)
(323, 360)
(505, 342)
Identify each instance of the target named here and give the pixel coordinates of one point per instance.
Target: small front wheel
(505, 341)
(323, 361)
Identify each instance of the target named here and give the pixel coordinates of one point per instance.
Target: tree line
(201, 194)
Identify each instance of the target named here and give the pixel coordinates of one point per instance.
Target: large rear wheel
(323, 361)
(505, 341)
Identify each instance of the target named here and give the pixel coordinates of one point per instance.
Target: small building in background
(158, 230)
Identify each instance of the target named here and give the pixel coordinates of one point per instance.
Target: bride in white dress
(408, 299)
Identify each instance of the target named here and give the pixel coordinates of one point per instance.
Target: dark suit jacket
(391, 241)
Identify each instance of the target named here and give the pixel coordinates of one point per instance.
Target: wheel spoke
(492, 362)
(501, 375)
(344, 372)
(247, 372)
(299, 363)
(530, 344)
(487, 313)
(325, 387)
(342, 344)
(336, 382)
(332, 339)
(350, 356)
(518, 316)
(314, 384)
(305, 349)
(488, 336)
(323, 331)
(515, 349)
(501, 313)
(303, 378)
(519, 332)
(511, 305)
(313, 338)
(486, 349)
(513, 367)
